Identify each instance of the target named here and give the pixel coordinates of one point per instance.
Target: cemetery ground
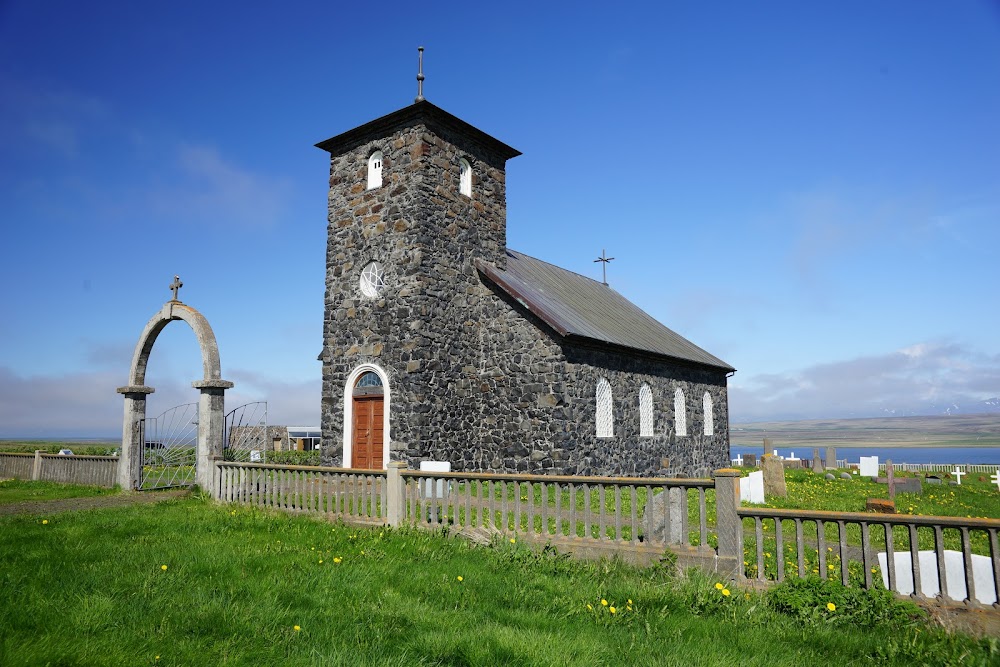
(193, 582)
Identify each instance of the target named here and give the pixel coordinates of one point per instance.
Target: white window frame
(706, 402)
(605, 413)
(465, 177)
(375, 170)
(645, 411)
(680, 413)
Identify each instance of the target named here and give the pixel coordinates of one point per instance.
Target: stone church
(441, 343)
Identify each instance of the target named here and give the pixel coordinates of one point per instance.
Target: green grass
(973, 498)
(53, 447)
(89, 588)
(19, 491)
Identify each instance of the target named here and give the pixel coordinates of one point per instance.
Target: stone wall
(474, 378)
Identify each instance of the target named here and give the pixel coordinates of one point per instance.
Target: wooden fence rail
(640, 519)
(356, 495)
(94, 470)
(854, 546)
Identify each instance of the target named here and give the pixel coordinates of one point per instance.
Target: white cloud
(920, 379)
(206, 188)
(85, 404)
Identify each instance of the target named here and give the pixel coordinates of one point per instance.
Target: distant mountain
(988, 406)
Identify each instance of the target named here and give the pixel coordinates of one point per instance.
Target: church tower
(416, 199)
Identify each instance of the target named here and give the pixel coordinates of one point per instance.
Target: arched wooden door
(368, 417)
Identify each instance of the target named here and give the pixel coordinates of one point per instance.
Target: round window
(372, 280)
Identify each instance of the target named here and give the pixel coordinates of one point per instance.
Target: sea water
(946, 455)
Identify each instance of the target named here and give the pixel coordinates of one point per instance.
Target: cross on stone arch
(176, 286)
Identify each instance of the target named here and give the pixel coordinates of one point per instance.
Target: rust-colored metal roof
(578, 307)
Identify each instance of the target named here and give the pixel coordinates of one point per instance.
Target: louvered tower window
(375, 170)
(465, 178)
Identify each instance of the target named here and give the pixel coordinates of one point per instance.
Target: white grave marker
(958, 474)
(996, 478)
(434, 488)
(954, 575)
(752, 487)
(254, 456)
(868, 466)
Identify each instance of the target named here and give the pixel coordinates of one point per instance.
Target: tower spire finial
(420, 76)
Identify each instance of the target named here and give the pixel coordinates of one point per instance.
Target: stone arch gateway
(211, 403)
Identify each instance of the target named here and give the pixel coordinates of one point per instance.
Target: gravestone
(868, 466)
(752, 488)
(846, 475)
(829, 476)
(817, 465)
(983, 588)
(880, 505)
(434, 488)
(932, 479)
(750, 460)
(889, 476)
(831, 458)
(669, 526)
(773, 471)
(904, 484)
(768, 447)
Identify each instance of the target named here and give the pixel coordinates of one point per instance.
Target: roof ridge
(575, 273)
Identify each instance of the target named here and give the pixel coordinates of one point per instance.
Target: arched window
(680, 413)
(645, 412)
(709, 419)
(375, 170)
(465, 178)
(369, 383)
(605, 411)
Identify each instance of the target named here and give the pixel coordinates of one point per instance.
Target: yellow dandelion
(460, 578)
(604, 603)
(337, 560)
(157, 658)
(725, 591)
(719, 587)
(320, 561)
(513, 541)
(612, 610)
(590, 607)
(44, 521)
(163, 567)
(296, 628)
(830, 566)
(630, 601)
(831, 606)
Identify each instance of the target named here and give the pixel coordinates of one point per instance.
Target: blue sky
(810, 191)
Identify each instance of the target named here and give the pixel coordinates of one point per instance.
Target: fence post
(395, 493)
(729, 527)
(36, 469)
(215, 461)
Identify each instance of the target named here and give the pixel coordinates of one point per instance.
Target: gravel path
(95, 502)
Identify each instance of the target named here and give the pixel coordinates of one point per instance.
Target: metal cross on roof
(420, 75)
(604, 265)
(176, 285)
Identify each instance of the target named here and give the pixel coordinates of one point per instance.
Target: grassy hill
(937, 431)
